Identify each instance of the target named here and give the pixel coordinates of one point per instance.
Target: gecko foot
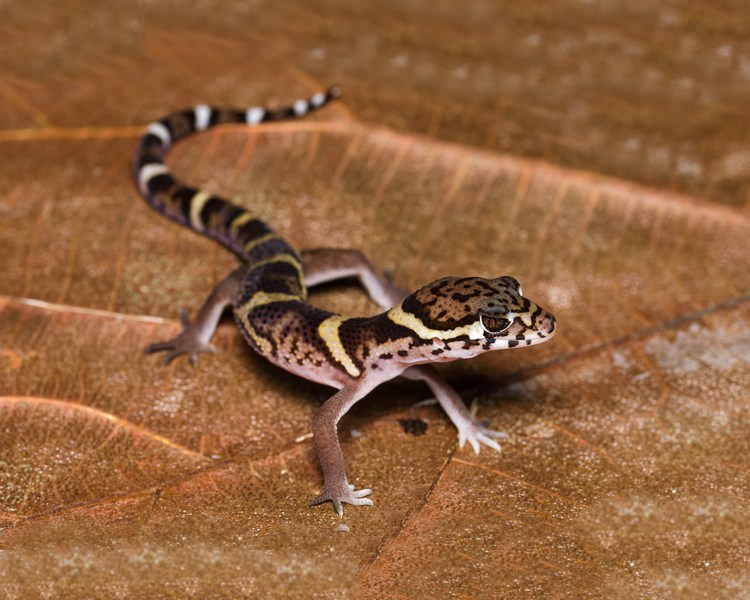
(338, 494)
(476, 433)
(188, 342)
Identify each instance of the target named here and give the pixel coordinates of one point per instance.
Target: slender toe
(491, 443)
(157, 347)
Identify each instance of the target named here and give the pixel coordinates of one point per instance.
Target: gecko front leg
(469, 430)
(336, 487)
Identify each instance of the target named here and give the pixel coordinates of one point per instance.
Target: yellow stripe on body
(244, 218)
(329, 331)
(239, 221)
(399, 316)
(197, 203)
(287, 258)
(261, 240)
(259, 299)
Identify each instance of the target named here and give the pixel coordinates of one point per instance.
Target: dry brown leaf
(626, 472)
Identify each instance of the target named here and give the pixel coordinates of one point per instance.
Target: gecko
(448, 319)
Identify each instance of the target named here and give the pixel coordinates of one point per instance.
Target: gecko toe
(490, 442)
(347, 495)
(496, 434)
(360, 493)
(477, 435)
(157, 347)
(170, 357)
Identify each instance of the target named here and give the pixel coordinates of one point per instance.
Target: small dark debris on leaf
(413, 426)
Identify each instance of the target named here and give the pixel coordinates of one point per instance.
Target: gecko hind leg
(322, 265)
(196, 336)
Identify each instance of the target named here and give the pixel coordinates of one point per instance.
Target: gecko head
(466, 316)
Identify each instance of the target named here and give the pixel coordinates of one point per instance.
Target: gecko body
(449, 319)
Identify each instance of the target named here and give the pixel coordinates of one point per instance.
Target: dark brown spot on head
(454, 302)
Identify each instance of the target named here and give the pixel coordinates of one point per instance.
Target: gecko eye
(494, 325)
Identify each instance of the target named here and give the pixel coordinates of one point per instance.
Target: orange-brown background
(597, 152)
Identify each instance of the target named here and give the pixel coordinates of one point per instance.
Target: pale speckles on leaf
(170, 402)
(559, 296)
(622, 360)
(688, 351)
(732, 166)
(540, 430)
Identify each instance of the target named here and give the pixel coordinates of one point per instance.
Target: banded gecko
(448, 319)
